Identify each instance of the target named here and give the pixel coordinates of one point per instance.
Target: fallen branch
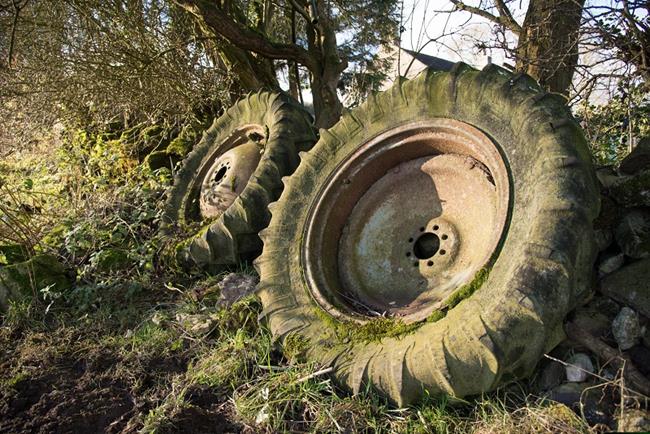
(638, 381)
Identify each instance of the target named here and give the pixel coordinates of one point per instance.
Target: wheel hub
(413, 215)
(228, 171)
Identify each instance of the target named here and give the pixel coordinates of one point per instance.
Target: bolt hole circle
(426, 245)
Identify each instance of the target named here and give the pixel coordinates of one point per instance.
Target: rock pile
(606, 359)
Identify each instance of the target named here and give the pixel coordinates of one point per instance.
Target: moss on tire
(542, 269)
(285, 128)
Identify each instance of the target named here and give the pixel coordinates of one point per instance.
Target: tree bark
(547, 49)
(321, 57)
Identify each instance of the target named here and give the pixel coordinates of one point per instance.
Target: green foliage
(608, 126)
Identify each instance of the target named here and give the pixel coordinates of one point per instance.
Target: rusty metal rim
(350, 180)
(212, 164)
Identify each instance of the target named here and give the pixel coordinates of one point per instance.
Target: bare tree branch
(241, 36)
(506, 20)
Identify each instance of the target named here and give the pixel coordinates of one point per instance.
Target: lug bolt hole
(444, 236)
(430, 263)
(442, 252)
(422, 229)
(436, 227)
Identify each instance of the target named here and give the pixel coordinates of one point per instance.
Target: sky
(428, 27)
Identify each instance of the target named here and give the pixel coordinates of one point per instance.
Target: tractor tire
(434, 239)
(226, 182)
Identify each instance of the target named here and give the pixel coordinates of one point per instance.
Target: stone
(197, 324)
(26, 279)
(640, 356)
(597, 405)
(632, 233)
(630, 286)
(568, 394)
(592, 320)
(606, 176)
(234, 287)
(626, 328)
(603, 238)
(594, 402)
(638, 159)
(579, 367)
(634, 420)
(610, 263)
(552, 376)
(632, 191)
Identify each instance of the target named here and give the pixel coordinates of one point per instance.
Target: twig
(315, 374)
(605, 352)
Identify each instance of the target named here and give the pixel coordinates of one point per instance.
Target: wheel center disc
(412, 216)
(226, 173)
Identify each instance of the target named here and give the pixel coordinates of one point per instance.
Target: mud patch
(65, 402)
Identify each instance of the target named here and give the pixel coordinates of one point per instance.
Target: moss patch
(372, 330)
(467, 290)
(378, 328)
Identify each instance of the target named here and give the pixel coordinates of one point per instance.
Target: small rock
(197, 324)
(552, 375)
(638, 159)
(609, 214)
(592, 320)
(610, 264)
(640, 356)
(631, 191)
(579, 368)
(597, 405)
(632, 234)
(630, 285)
(626, 328)
(604, 238)
(634, 420)
(234, 287)
(606, 176)
(568, 393)
(158, 318)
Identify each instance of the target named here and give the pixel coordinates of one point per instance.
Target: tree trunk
(548, 43)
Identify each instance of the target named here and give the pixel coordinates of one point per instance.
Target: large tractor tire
(225, 184)
(435, 238)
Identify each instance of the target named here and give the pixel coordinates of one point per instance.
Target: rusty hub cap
(225, 174)
(406, 220)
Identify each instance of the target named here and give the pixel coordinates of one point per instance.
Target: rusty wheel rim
(411, 216)
(224, 175)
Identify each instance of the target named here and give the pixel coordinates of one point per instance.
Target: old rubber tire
(276, 128)
(539, 272)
